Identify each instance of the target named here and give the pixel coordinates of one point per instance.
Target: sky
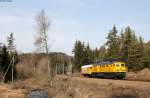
(71, 20)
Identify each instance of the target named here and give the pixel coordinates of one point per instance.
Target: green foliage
(132, 49)
(126, 47)
(78, 54)
(6, 61)
(10, 40)
(4, 58)
(83, 54)
(146, 55)
(112, 43)
(100, 54)
(88, 55)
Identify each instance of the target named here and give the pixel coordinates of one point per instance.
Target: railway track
(132, 79)
(126, 79)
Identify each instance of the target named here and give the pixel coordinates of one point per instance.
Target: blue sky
(85, 20)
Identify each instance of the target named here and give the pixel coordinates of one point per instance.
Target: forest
(124, 46)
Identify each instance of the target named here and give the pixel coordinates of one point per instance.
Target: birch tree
(41, 41)
(42, 27)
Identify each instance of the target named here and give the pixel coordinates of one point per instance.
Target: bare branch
(42, 27)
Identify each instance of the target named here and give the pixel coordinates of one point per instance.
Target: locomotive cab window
(117, 65)
(122, 65)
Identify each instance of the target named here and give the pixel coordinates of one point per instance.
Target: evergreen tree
(126, 43)
(4, 61)
(10, 40)
(88, 55)
(8, 58)
(96, 54)
(141, 45)
(83, 54)
(78, 54)
(112, 43)
(102, 53)
(121, 44)
(11, 48)
(126, 47)
(132, 49)
(146, 55)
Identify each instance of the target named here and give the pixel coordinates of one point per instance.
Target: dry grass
(121, 92)
(68, 87)
(144, 74)
(75, 88)
(7, 92)
(27, 69)
(140, 75)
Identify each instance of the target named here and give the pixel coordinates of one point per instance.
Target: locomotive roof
(103, 63)
(106, 62)
(85, 66)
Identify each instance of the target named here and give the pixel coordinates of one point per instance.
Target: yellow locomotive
(114, 69)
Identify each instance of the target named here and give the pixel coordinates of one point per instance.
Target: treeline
(31, 64)
(125, 46)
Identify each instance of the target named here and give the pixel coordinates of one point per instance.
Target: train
(106, 69)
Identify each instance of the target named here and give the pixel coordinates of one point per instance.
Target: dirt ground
(80, 87)
(7, 92)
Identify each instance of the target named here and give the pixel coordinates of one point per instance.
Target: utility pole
(13, 70)
(56, 69)
(3, 79)
(49, 73)
(63, 69)
(70, 66)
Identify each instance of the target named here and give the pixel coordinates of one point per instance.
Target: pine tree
(126, 43)
(6, 55)
(96, 54)
(121, 44)
(83, 54)
(146, 55)
(88, 55)
(126, 47)
(4, 62)
(112, 43)
(132, 50)
(11, 46)
(78, 54)
(141, 45)
(102, 53)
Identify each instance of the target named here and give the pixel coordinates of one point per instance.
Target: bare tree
(42, 27)
(41, 41)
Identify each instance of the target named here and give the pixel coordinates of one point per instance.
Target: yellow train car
(86, 70)
(115, 69)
